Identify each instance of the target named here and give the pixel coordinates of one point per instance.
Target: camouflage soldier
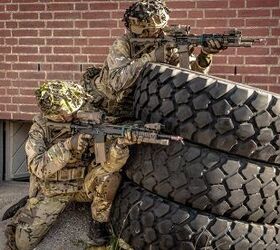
(113, 86)
(62, 170)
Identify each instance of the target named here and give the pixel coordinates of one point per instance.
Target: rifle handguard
(165, 142)
(155, 138)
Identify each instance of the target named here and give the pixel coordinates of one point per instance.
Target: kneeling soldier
(62, 169)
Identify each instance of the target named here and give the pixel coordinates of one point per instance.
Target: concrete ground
(70, 230)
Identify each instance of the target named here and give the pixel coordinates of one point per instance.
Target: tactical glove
(172, 56)
(78, 143)
(213, 47)
(128, 139)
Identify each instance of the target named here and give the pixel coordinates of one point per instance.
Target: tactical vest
(70, 179)
(76, 169)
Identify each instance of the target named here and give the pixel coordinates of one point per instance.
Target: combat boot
(11, 211)
(10, 236)
(99, 233)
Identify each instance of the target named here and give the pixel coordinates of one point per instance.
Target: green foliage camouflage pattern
(55, 97)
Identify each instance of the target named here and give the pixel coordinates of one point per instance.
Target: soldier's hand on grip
(129, 139)
(164, 54)
(78, 143)
(214, 46)
(172, 56)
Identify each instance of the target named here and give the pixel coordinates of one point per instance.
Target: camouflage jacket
(115, 83)
(53, 168)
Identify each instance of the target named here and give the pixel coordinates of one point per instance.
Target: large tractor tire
(211, 111)
(146, 221)
(208, 180)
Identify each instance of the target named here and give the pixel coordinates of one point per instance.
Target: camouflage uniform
(114, 85)
(59, 176)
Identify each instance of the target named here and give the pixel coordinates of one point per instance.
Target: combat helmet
(146, 14)
(57, 97)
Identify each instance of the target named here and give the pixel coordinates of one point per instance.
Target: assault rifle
(179, 37)
(95, 124)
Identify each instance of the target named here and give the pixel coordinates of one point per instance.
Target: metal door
(1, 150)
(16, 135)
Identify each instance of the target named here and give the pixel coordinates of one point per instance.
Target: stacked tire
(221, 189)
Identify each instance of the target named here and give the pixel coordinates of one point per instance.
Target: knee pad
(106, 186)
(104, 195)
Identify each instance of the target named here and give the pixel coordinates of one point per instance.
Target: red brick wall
(58, 39)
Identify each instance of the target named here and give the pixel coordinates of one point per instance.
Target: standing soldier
(114, 85)
(62, 169)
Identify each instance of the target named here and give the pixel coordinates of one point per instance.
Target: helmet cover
(146, 14)
(57, 97)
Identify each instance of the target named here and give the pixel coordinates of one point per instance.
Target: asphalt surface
(70, 230)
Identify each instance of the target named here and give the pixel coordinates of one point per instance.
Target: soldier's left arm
(204, 59)
(124, 70)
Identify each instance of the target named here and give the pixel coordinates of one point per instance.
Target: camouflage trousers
(34, 220)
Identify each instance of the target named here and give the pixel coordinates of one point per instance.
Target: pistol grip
(184, 56)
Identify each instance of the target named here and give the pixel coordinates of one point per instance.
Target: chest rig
(77, 166)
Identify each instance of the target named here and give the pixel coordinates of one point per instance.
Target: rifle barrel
(246, 45)
(252, 40)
